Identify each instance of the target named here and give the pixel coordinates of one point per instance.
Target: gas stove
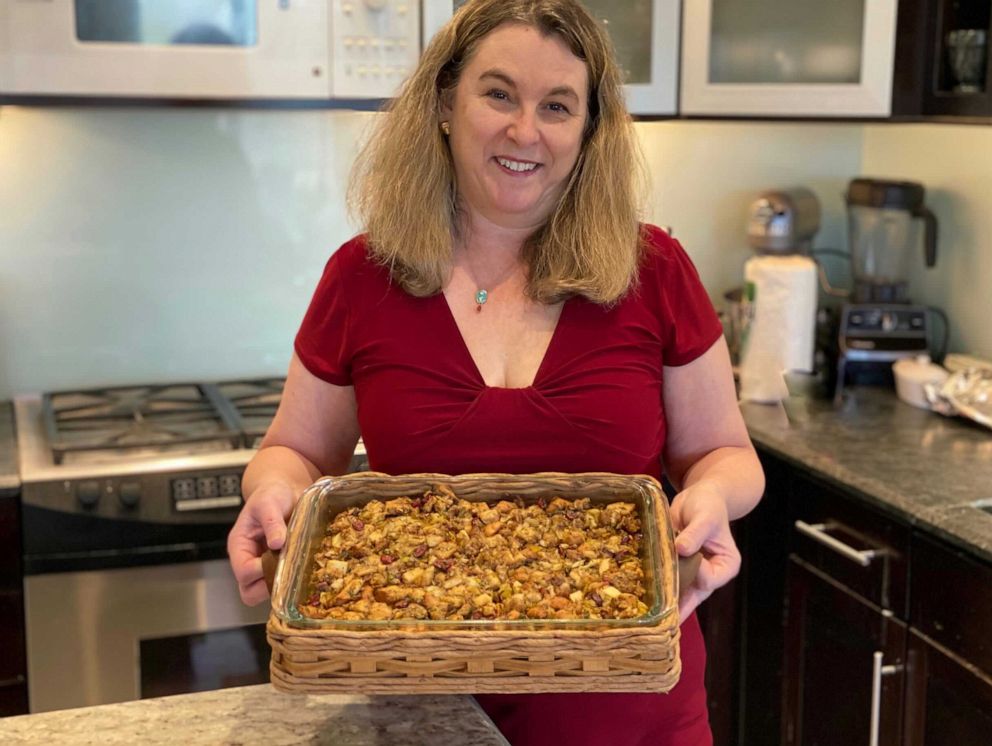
(140, 451)
(133, 472)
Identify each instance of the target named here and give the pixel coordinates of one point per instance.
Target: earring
(446, 128)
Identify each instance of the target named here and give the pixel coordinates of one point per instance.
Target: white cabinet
(816, 58)
(645, 34)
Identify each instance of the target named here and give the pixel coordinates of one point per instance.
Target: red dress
(595, 405)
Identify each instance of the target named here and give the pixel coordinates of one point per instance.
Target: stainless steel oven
(128, 495)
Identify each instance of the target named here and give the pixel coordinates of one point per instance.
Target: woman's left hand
(699, 517)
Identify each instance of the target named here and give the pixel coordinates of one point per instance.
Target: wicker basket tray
(323, 656)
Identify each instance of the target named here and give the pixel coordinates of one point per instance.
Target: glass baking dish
(329, 496)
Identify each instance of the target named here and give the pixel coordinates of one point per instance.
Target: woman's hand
(699, 516)
(260, 526)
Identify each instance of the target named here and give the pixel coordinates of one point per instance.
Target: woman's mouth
(517, 167)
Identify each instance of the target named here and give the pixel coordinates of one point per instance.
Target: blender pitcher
(883, 232)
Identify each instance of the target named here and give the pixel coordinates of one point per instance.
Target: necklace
(481, 296)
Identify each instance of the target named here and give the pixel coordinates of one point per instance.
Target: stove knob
(130, 494)
(88, 494)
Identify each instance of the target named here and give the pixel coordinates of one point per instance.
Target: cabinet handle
(818, 532)
(877, 672)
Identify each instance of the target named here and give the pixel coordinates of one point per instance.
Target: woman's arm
(313, 433)
(709, 458)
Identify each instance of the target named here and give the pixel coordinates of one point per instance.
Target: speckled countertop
(10, 483)
(920, 467)
(261, 715)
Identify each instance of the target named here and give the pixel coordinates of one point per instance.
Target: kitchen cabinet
(845, 629)
(13, 664)
(958, 65)
(906, 59)
(851, 626)
(804, 58)
(844, 664)
(949, 700)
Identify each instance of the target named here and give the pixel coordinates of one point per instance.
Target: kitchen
(148, 244)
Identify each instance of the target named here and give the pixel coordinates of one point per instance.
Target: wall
(954, 163)
(149, 245)
(141, 245)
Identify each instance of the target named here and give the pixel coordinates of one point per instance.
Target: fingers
(270, 517)
(254, 593)
(260, 525)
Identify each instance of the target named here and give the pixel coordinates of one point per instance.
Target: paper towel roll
(781, 333)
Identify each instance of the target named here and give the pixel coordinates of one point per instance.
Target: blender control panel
(884, 329)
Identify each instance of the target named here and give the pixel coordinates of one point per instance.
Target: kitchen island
(261, 715)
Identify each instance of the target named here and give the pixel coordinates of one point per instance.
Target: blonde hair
(403, 183)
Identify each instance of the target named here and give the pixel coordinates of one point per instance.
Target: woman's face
(517, 117)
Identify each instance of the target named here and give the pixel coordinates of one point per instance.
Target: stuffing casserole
(436, 556)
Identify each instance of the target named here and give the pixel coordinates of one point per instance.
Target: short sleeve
(323, 342)
(690, 325)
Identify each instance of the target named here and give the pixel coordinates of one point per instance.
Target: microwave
(207, 49)
(647, 52)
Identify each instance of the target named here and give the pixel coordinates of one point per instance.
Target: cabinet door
(837, 689)
(801, 58)
(948, 702)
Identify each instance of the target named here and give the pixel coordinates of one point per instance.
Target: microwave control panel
(375, 45)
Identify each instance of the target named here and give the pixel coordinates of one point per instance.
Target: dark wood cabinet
(817, 617)
(13, 663)
(844, 665)
(949, 700)
(958, 78)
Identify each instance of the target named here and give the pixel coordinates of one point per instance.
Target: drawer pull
(877, 672)
(818, 532)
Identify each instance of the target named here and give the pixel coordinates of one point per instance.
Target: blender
(881, 324)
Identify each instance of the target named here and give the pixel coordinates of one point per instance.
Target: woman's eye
(497, 94)
(558, 108)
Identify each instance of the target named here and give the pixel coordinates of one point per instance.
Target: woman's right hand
(260, 526)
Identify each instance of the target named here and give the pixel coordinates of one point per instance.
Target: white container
(912, 375)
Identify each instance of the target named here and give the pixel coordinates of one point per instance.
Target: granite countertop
(926, 469)
(10, 482)
(261, 715)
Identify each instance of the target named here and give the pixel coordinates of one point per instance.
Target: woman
(506, 312)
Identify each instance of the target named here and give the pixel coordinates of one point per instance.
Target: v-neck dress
(595, 405)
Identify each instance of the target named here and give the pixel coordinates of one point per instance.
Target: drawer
(856, 545)
(951, 600)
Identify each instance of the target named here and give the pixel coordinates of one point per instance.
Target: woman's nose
(524, 128)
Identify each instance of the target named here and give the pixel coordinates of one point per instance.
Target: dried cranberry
(571, 514)
(387, 559)
(402, 603)
(314, 600)
(444, 564)
(597, 599)
(625, 539)
(416, 502)
(357, 524)
(323, 585)
(542, 503)
(420, 550)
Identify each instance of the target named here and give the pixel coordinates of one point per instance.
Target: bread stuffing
(436, 556)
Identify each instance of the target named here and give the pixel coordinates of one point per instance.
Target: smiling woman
(506, 312)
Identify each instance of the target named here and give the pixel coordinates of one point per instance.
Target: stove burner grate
(130, 418)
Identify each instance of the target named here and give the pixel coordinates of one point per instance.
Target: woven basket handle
(270, 560)
(688, 569)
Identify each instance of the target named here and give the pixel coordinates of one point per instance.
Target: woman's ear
(445, 101)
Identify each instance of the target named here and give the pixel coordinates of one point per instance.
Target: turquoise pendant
(481, 297)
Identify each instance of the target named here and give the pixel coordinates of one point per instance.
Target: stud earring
(446, 128)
